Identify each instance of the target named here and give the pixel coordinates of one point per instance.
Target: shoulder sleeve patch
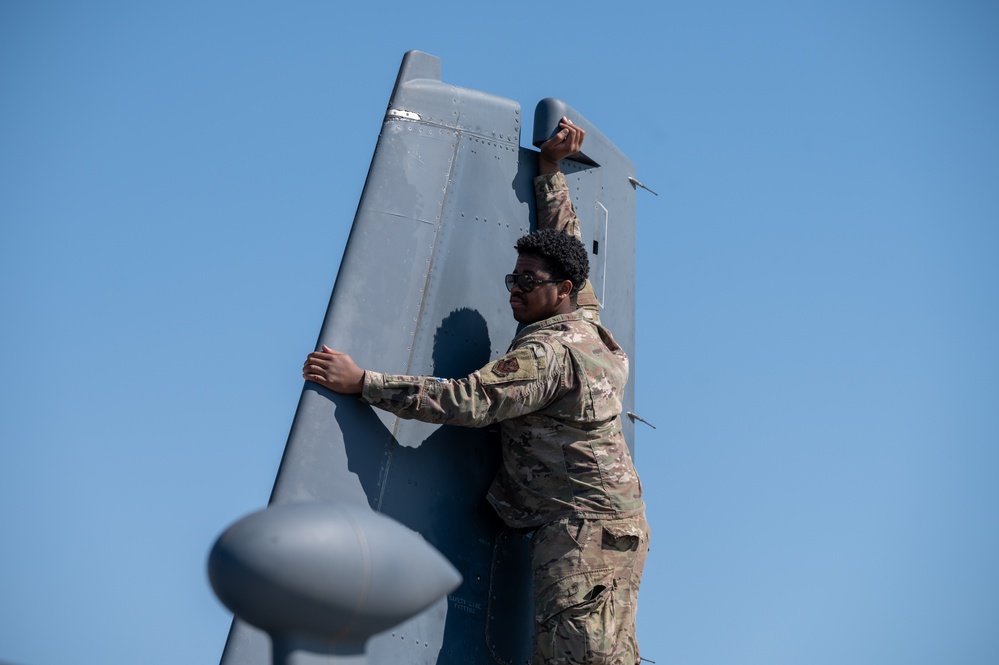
(519, 365)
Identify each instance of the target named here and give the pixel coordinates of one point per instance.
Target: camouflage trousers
(586, 578)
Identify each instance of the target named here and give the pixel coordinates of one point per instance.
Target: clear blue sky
(818, 319)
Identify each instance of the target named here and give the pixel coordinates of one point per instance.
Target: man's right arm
(551, 193)
(554, 204)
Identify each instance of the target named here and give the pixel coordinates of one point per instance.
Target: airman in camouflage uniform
(565, 469)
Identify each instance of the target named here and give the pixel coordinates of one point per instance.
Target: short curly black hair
(563, 255)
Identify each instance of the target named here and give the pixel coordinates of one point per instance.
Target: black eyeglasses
(526, 282)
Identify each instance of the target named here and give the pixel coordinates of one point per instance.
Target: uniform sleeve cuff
(374, 384)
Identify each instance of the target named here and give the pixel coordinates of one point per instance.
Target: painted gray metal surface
(420, 291)
(323, 577)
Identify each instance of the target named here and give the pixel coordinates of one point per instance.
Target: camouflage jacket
(557, 394)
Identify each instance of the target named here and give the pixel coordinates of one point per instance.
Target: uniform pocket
(621, 537)
(576, 619)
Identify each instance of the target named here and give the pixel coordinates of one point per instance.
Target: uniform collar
(578, 314)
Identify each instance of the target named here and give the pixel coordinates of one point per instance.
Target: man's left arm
(520, 382)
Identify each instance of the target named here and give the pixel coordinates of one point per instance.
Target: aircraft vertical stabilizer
(420, 291)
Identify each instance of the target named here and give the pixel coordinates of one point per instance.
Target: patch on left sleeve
(521, 365)
(506, 366)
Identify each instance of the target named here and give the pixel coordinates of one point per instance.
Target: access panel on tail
(420, 291)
